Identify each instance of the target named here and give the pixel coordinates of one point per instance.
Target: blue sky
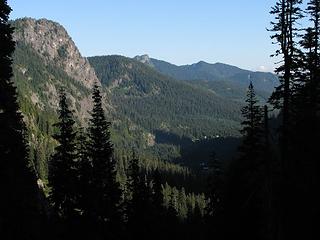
(178, 31)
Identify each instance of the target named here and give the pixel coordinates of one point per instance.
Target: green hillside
(157, 102)
(155, 114)
(229, 90)
(262, 81)
(37, 86)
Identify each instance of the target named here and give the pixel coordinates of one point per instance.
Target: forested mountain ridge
(157, 102)
(45, 61)
(263, 81)
(156, 114)
(174, 114)
(160, 116)
(104, 147)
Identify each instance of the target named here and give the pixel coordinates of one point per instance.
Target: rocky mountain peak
(144, 59)
(54, 45)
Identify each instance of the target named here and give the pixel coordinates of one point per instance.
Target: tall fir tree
(251, 126)
(158, 210)
(105, 192)
(63, 164)
(313, 9)
(172, 216)
(243, 195)
(267, 175)
(215, 184)
(157, 198)
(19, 205)
(287, 15)
(307, 94)
(84, 172)
(287, 98)
(313, 191)
(215, 190)
(138, 207)
(308, 97)
(305, 165)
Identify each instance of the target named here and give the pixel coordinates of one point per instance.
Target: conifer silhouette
(63, 164)
(19, 205)
(138, 208)
(105, 192)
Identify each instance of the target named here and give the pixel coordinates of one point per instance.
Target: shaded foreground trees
(95, 206)
(272, 188)
(82, 175)
(300, 125)
(103, 207)
(63, 164)
(20, 211)
(246, 192)
(270, 191)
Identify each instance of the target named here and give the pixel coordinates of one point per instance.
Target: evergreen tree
(214, 207)
(84, 172)
(307, 99)
(287, 14)
(267, 175)
(172, 215)
(138, 208)
(298, 94)
(158, 210)
(243, 196)
(251, 127)
(304, 172)
(104, 189)
(313, 33)
(215, 183)
(182, 204)
(19, 205)
(63, 164)
(312, 132)
(157, 191)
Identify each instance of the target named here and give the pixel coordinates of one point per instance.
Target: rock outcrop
(54, 45)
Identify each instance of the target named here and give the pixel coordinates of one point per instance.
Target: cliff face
(148, 110)
(45, 61)
(144, 59)
(52, 42)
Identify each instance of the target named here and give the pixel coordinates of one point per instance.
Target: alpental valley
(114, 147)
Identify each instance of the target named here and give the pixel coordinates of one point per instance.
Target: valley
(155, 107)
(204, 136)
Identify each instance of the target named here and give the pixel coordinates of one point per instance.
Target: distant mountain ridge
(158, 102)
(149, 109)
(204, 71)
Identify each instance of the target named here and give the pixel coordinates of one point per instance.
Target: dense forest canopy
(113, 147)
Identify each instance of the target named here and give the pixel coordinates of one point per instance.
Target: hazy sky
(178, 31)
